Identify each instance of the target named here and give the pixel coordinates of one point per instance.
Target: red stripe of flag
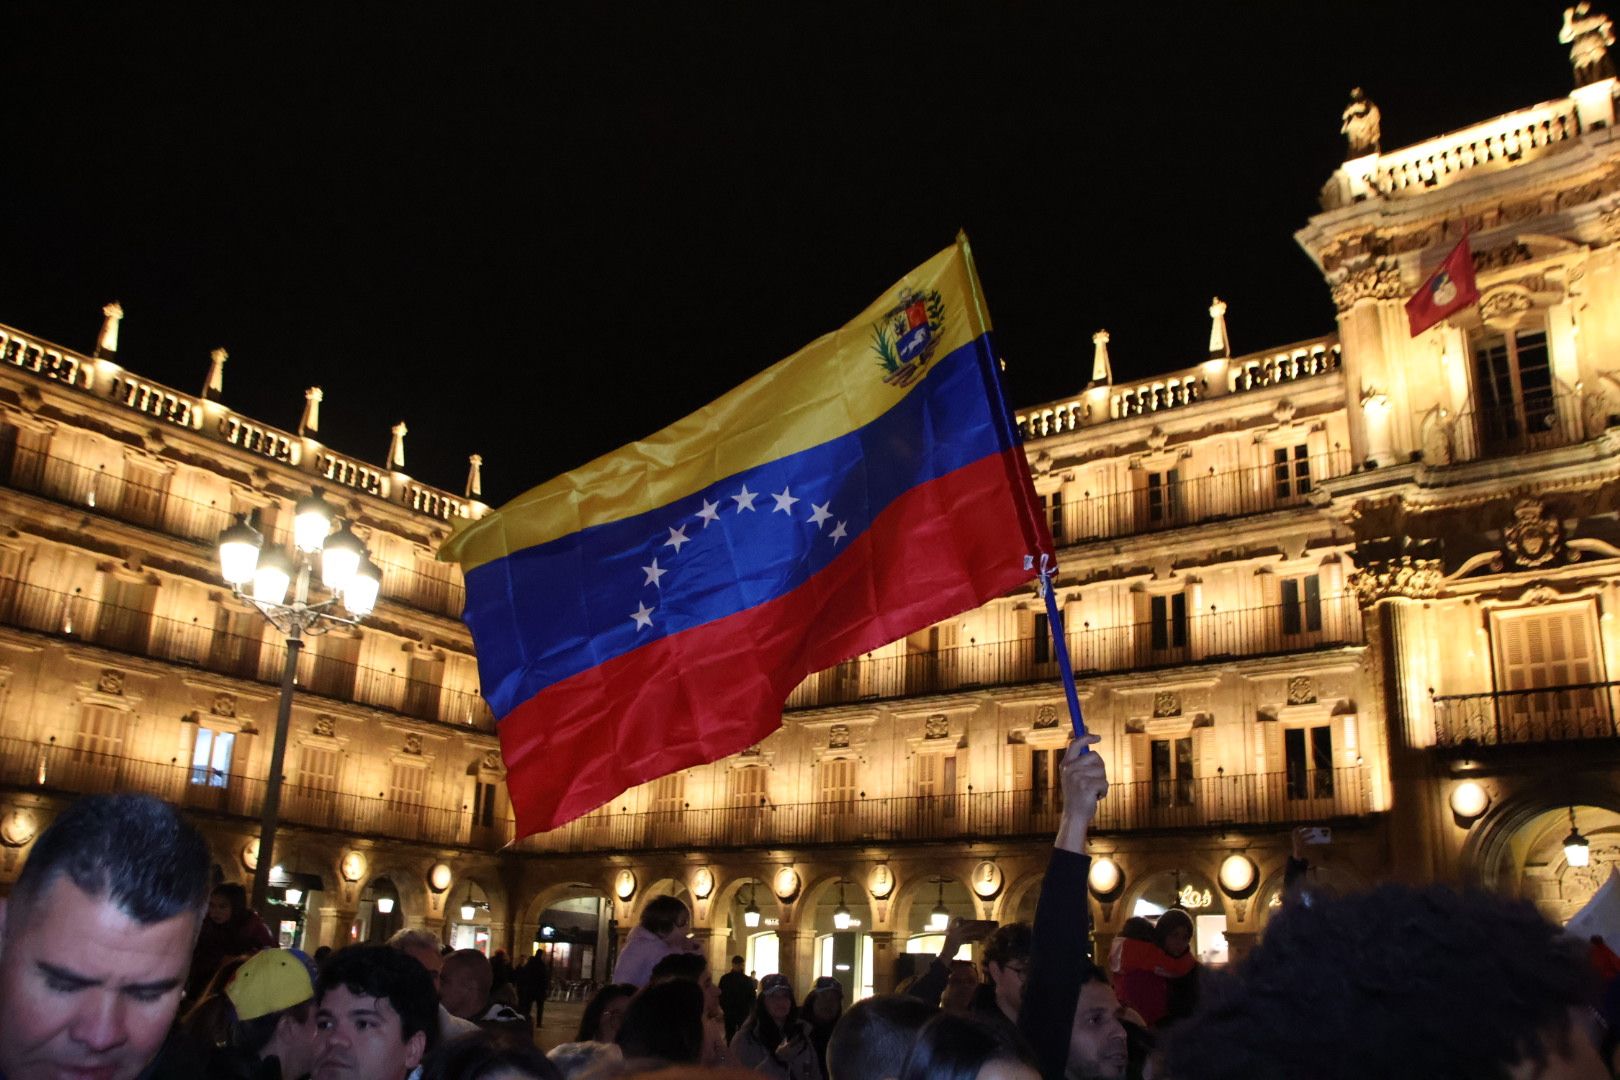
(1450, 289)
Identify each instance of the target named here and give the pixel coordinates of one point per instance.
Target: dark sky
(539, 230)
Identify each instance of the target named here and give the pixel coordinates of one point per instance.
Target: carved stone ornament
(1046, 717)
(1504, 306)
(1535, 538)
(1166, 703)
(1301, 690)
(936, 727)
(1380, 280)
(1609, 228)
(413, 744)
(750, 751)
(838, 737)
(224, 705)
(111, 681)
(492, 761)
(1361, 125)
(324, 726)
(1400, 577)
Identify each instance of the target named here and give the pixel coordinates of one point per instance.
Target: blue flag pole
(1060, 644)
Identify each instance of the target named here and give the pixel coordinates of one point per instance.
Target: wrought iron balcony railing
(150, 504)
(54, 767)
(1509, 717)
(139, 632)
(1174, 501)
(1538, 422)
(1213, 636)
(1187, 803)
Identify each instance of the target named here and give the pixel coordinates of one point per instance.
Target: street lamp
(262, 578)
(1577, 849)
(841, 914)
(940, 918)
(751, 912)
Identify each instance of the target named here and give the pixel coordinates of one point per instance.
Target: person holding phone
(773, 1040)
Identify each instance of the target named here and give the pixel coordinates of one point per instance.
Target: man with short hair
(465, 985)
(96, 939)
(273, 1033)
(871, 1040)
(737, 992)
(1006, 962)
(375, 1015)
(423, 947)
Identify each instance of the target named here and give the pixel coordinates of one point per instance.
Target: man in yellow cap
(273, 1035)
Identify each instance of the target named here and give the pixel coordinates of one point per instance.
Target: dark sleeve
(1059, 956)
(1294, 873)
(930, 985)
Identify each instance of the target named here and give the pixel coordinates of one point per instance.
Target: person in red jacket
(1145, 969)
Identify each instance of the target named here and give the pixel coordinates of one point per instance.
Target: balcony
(1521, 717)
(1539, 422)
(50, 767)
(1282, 798)
(136, 631)
(1211, 637)
(1193, 500)
(150, 505)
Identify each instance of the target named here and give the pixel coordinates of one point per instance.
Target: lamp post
(262, 578)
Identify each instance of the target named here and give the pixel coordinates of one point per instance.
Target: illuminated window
(1513, 388)
(669, 794)
(211, 757)
(1172, 771)
(746, 786)
(837, 784)
(1308, 761)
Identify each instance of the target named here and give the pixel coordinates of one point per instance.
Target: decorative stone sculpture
(1535, 537)
(1588, 35)
(1361, 125)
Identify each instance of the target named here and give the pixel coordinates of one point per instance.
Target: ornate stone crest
(936, 727)
(1301, 690)
(325, 727)
(906, 338)
(1166, 703)
(413, 744)
(1534, 538)
(1046, 717)
(224, 705)
(838, 737)
(1402, 576)
(111, 682)
(492, 760)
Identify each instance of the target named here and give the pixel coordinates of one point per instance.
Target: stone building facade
(1365, 581)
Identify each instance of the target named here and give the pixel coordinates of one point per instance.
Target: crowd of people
(120, 958)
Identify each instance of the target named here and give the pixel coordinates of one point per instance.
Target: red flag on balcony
(1449, 289)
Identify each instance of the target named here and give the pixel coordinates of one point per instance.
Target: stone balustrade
(109, 382)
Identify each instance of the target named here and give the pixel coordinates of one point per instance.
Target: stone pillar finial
(475, 476)
(311, 422)
(215, 386)
(1102, 372)
(107, 342)
(396, 448)
(1362, 126)
(1219, 344)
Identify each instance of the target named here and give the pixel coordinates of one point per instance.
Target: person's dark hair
(689, 966)
(1136, 928)
(207, 1022)
(379, 971)
(234, 895)
(665, 1022)
(737, 960)
(1171, 921)
(1392, 982)
(765, 1028)
(321, 954)
(873, 1037)
(591, 1020)
(134, 850)
(254, 1035)
(1009, 943)
(485, 1054)
(662, 913)
(957, 1047)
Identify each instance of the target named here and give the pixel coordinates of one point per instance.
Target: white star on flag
(654, 572)
(745, 499)
(820, 513)
(838, 533)
(784, 501)
(642, 617)
(710, 512)
(677, 537)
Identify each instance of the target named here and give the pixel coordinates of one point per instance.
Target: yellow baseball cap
(270, 981)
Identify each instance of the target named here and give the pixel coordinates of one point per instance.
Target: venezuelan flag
(652, 610)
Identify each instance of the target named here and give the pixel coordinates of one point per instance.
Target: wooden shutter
(925, 774)
(1553, 647)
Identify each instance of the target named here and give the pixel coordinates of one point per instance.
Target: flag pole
(1048, 564)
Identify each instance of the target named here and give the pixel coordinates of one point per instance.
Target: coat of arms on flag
(906, 337)
(1448, 290)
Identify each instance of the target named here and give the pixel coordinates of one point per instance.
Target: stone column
(883, 954)
(712, 943)
(797, 959)
(332, 927)
(1391, 593)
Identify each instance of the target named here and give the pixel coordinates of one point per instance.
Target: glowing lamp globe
(312, 520)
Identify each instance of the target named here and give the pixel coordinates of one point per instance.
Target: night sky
(538, 231)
